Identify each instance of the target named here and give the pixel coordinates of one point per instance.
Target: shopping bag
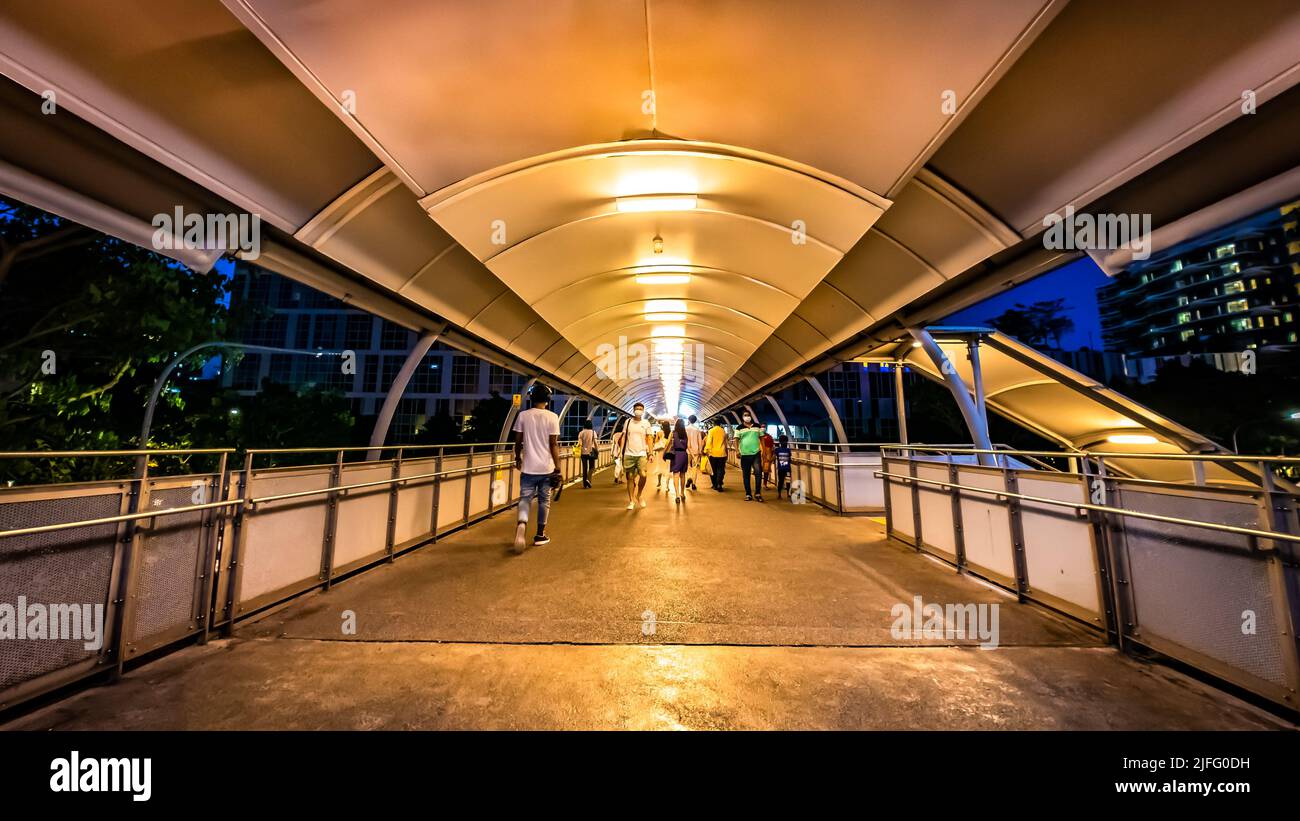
(706, 467)
(618, 468)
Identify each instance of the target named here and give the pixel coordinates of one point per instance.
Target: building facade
(1229, 291)
(294, 316)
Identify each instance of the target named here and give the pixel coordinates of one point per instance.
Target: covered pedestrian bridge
(692, 205)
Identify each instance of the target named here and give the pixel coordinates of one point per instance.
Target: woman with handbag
(678, 452)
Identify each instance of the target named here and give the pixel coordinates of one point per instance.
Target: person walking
(616, 441)
(658, 455)
(783, 465)
(587, 451)
(678, 450)
(537, 457)
(694, 450)
(768, 450)
(634, 454)
(748, 443)
(715, 448)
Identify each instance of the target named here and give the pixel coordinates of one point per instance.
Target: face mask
(637, 415)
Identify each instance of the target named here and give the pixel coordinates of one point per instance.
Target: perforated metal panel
(169, 562)
(1191, 586)
(69, 567)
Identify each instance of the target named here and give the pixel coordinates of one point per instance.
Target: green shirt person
(749, 439)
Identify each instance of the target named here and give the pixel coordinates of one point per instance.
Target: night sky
(1076, 283)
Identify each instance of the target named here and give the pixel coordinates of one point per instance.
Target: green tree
(87, 322)
(1041, 324)
(485, 421)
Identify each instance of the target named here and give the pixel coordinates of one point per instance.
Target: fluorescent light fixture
(662, 279)
(672, 305)
(668, 330)
(1132, 439)
(656, 202)
(916, 344)
(665, 317)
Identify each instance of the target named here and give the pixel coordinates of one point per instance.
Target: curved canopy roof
(518, 169)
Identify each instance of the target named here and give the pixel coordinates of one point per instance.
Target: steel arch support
(829, 406)
(785, 426)
(395, 391)
(514, 411)
(975, 422)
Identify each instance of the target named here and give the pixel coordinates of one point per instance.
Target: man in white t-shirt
(635, 453)
(537, 456)
(694, 450)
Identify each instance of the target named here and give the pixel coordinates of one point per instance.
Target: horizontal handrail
(1103, 454)
(251, 502)
(350, 448)
(1119, 511)
(72, 454)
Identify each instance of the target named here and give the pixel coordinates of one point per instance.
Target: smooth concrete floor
(718, 614)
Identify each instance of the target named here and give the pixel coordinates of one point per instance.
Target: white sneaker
(520, 543)
(632, 505)
(643, 504)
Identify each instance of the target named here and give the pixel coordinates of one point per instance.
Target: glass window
(464, 374)
(1225, 251)
(1238, 305)
(1242, 324)
(1234, 287)
(394, 337)
(358, 332)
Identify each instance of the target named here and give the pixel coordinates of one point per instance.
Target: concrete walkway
(717, 614)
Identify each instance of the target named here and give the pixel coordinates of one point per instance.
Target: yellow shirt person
(715, 441)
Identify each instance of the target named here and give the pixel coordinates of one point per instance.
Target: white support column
(568, 403)
(514, 411)
(785, 426)
(395, 391)
(900, 402)
(960, 393)
(830, 409)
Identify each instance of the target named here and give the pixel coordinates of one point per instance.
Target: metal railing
(1203, 570)
(173, 558)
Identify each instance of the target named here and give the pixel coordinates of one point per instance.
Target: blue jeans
(530, 485)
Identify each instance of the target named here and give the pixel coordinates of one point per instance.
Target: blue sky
(1076, 282)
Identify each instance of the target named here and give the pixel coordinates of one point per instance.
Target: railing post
(916, 500)
(234, 565)
(390, 538)
(213, 524)
(1104, 550)
(437, 491)
(331, 522)
(958, 532)
(1017, 534)
(1278, 515)
(128, 578)
(469, 477)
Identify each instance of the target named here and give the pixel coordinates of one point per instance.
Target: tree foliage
(1041, 324)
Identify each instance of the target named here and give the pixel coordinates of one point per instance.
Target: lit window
(1184, 317)
(1238, 305)
(1186, 335)
(1241, 324)
(1234, 287)
(1225, 251)
(1231, 268)
(1176, 267)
